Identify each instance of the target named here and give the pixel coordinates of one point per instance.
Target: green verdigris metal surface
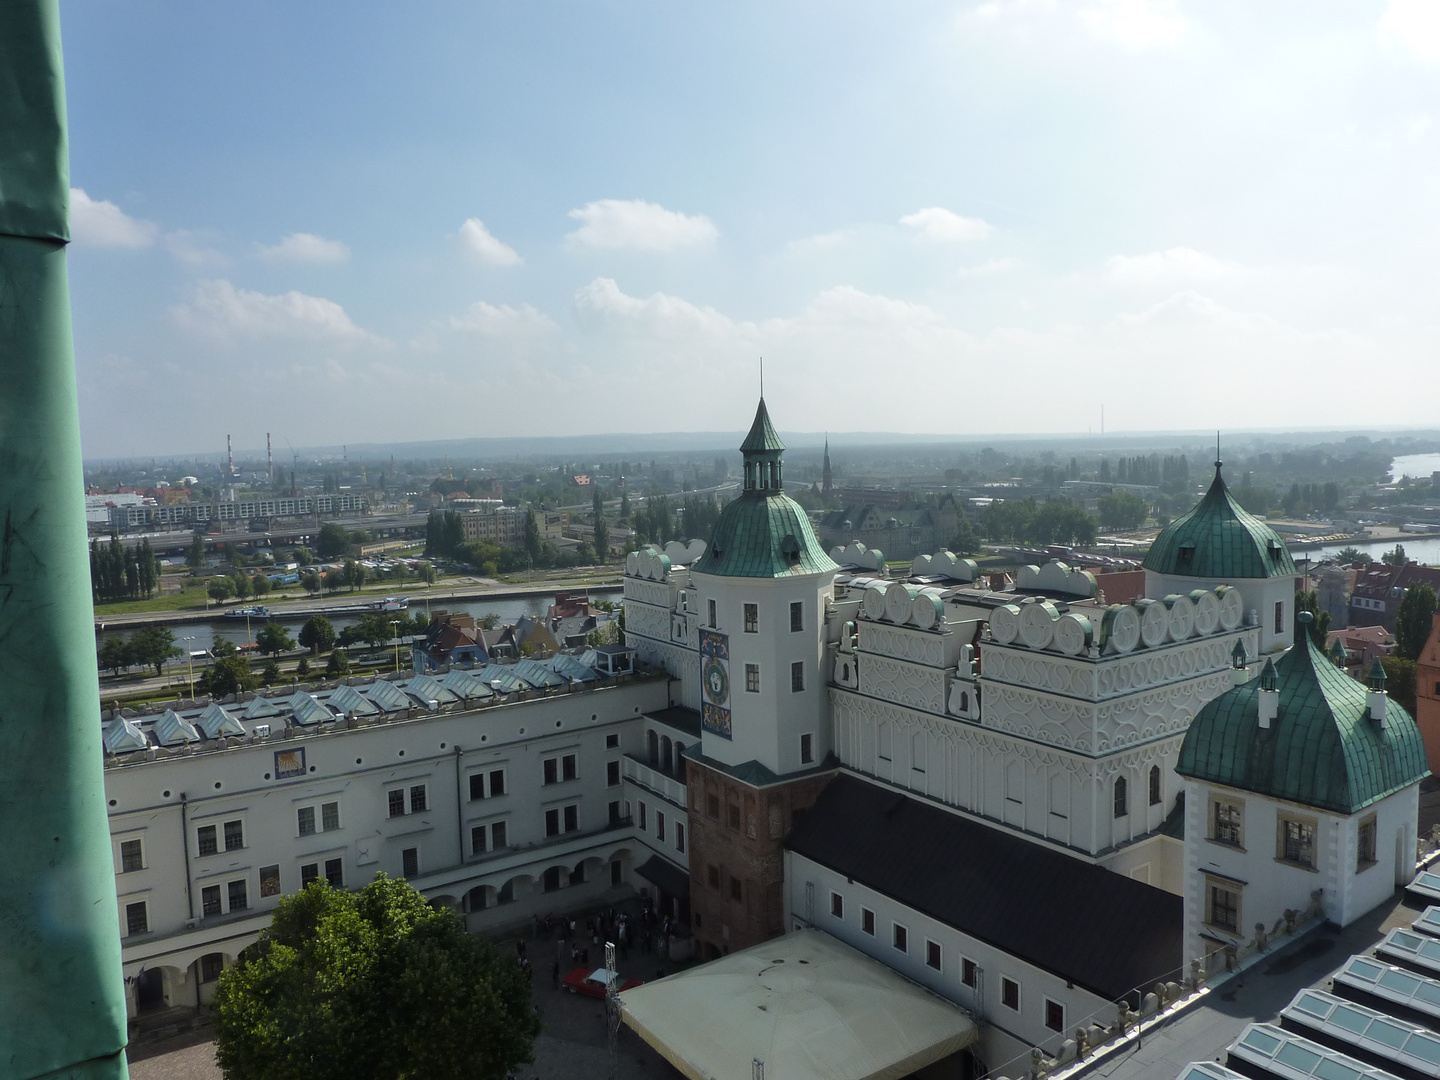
(62, 1001)
(764, 534)
(1219, 539)
(1322, 750)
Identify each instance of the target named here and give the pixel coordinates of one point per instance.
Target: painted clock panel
(715, 677)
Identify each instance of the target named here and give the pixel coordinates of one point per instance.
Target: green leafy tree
(1413, 620)
(371, 984)
(967, 540)
(302, 669)
(241, 584)
(260, 585)
(153, 646)
(273, 639)
(338, 665)
(373, 628)
(310, 582)
(196, 559)
(270, 673)
(602, 532)
(230, 675)
(220, 589)
(317, 635)
(303, 556)
(532, 536)
(1320, 625)
(333, 541)
(1400, 681)
(1396, 557)
(1352, 555)
(1122, 510)
(427, 573)
(115, 654)
(334, 580)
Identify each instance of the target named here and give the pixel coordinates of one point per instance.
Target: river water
(509, 610)
(1415, 466)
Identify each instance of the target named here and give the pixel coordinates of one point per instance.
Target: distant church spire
(827, 484)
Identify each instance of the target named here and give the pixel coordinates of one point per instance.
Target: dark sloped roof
(765, 535)
(1219, 539)
(762, 435)
(1085, 924)
(1322, 750)
(679, 718)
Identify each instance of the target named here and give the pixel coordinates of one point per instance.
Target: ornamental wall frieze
(650, 621)
(917, 646)
(651, 592)
(905, 683)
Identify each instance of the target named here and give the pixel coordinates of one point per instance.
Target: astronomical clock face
(717, 682)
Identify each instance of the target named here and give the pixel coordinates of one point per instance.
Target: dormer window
(1185, 557)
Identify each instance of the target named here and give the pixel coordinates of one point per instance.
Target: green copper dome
(1322, 750)
(1218, 539)
(763, 533)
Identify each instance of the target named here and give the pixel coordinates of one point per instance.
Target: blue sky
(370, 222)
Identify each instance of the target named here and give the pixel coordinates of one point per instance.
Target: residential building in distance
(502, 525)
(901, 531)
(1427, 694)
(1379, 590)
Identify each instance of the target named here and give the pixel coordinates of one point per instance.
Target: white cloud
(491, 320)
(612, 224)
(1412, 25)
(1177, 264)
(220, 311)
(194, 248)
(100, 223)
(304, 247)
(942, 226)
(1133, 25)
(476, 239)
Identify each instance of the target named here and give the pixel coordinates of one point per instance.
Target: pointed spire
(1337, 653)
(1376, 678)
(1268, 679)
(762, 435)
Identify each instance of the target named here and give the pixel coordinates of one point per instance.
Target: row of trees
(118, 572)
(1055, 521)
(150, 646)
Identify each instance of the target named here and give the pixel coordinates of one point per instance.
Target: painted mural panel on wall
(715, 674)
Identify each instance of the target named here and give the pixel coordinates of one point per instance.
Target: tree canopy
(274, 639)
(1412, 621)
(317, 635)
(153, 646)
(375, 984)
(333, 540)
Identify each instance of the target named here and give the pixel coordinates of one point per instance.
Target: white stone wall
(808, 890)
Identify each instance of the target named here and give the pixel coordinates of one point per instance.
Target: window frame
(712, 611)
(131, 930)
(394, 803)
(752, 678)
(969, 972)
(1215, 884)
(240, 887)
(612, 741)
(797, 616)
(837, 905)
(934, 955)
(797, 676)
(1285, 822)
(212, 901)
(1366, 826)
(867, 921)
(424, 800)
(1051, 1008)
(138, 852)
(1120, 796)
(807, 748)
(1157, 786)
(1216, 832)
(900, 937)
(751, 618)
(270, 884)
(680, 837)
(612, 773)
(1011, 1000)
(408, 855)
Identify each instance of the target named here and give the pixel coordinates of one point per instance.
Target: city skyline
(309, 222)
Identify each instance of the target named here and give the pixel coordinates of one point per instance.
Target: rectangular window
(612, 741)
(807, 748)
(1297, 842)
(733, 811)
(335, 872)
(797, 617)
(569, 767)
(211, 965)
(132, 856)
(712, 876)
(680, 837)
(714, 622)
(210, 900)
(270, 880)
(899, 937)
(1054, 1015)
(932, 954)
(837, 905)
(1365, 844)
(552, 771)
(499, 836)
(305, 820)
(329, 816)
(614, 812)
(752, 618)
(552, 822)
(239, 894)
(659, 825)
(479, 839)
(497, 782)
(1154, 785)
(234, 835)
(797, 676)
(572, 818)
(1223, 902)
(1227, 819)
(712, 806)
(397, 802)
(867, 921)
(410, 862)
(643, 820)
(1279, 616)
(309, 872)
(137, 918)
(737, 891)
(612, 773)
(205, 842)
(752, 678)
(417, 799)
(477, 786)
(969, 973)
(1010, 994)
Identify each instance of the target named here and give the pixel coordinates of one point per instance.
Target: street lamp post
(395, 633)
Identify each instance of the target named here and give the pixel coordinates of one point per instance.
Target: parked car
(593, 983)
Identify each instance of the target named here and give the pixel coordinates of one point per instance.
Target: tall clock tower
(761, 586)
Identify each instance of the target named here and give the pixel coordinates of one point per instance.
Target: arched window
(1154, 785)
(1122, 802)
(654, 747)
(666, 761)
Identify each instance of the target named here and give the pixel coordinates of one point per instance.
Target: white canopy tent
(807, 1005)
